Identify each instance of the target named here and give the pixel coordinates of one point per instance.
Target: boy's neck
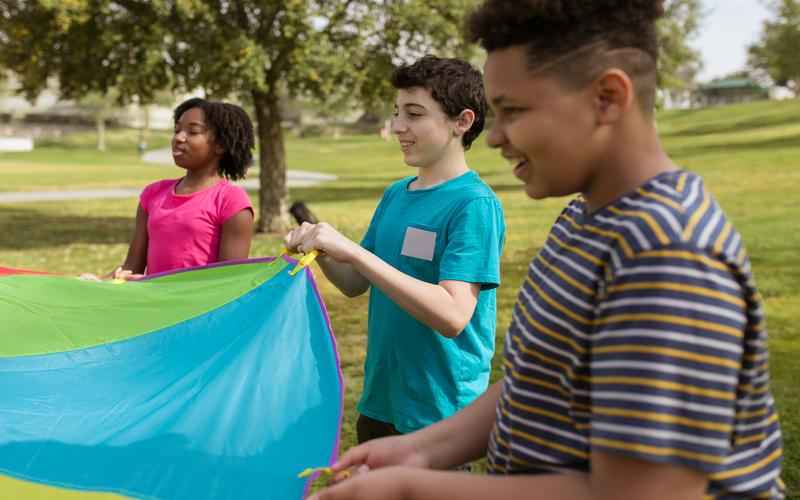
(627, 167)
(448, 167)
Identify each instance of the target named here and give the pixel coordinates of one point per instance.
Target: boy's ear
(614, 95)
(464, 121)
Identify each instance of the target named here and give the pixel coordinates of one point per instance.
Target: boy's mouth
(520, 167)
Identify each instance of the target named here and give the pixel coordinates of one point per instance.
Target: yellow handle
(304, 261)
(312, 470)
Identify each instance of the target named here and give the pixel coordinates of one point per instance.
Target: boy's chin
(412, 162)
(535, 192)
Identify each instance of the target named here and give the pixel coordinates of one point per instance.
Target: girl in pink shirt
(200, 218)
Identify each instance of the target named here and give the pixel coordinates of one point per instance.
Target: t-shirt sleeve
(234, 201)
(475, 239)
(665, 359)
(368, 241)
(149, 193)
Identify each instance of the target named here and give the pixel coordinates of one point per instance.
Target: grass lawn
(749, 156)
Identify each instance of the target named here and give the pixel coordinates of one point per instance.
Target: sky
(727, 29)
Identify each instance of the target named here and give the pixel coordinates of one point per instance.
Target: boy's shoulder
(672, 210)
(467, 185)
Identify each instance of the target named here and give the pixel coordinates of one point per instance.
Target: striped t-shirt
(639, 331)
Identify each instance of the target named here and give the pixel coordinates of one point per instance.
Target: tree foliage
(777, 52)
(679, 62)
(261, 50)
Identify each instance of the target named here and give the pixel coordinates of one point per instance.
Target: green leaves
(678, 63)
(776, 52)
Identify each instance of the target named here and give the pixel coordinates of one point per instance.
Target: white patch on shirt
(419, 243)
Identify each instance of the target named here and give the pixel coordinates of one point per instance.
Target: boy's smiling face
(546, 130)
(423, 129)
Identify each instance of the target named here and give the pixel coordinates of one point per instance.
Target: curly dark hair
(231, 128)
(453, 83)
(576, 40)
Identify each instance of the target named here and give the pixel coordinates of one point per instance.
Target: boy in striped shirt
(636, 361)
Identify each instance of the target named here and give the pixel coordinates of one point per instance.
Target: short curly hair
(576, 40)
(455, 84)
(231, 129)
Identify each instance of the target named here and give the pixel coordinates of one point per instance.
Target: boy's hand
(390, 483)
(384, 452)
(322, 237)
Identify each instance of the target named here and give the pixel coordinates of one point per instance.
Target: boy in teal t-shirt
(430, 258)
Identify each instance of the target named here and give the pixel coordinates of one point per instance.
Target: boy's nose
(495, 138)
(397, 125)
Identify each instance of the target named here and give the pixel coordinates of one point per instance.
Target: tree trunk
(273, 194)
(100, 120)
(144, 131)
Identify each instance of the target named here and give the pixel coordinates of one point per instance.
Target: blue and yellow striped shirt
(639, 331)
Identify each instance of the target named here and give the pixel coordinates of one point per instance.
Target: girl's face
(193, 145)
(423, 129)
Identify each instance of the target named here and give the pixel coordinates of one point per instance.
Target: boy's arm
(344, 276)
(612, 477)
(446, 307)
(443, 445)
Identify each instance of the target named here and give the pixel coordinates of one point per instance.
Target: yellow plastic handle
(311, 470)
(303, 262)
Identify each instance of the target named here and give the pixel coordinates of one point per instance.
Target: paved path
(294, 178)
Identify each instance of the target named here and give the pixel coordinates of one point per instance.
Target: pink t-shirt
(185, 230)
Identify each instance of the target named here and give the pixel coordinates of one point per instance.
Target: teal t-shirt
(415, 376)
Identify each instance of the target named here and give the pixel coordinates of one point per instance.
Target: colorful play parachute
(220, 382)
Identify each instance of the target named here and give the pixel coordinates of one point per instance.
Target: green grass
(749, 156)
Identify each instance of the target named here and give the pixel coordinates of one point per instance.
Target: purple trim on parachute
(339, 372)
(215, 264)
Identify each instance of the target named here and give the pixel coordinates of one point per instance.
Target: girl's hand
(125, 274)
(390, 483)
(322, 237)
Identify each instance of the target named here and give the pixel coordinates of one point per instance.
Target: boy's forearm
(428, 303)
(463, 437)
(343, 276)
(430, 485)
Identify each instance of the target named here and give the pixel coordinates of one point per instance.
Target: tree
(329, 50)
(99, 107)
(262, 50)
(679, 63)
(86, 45)
(776, 52)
